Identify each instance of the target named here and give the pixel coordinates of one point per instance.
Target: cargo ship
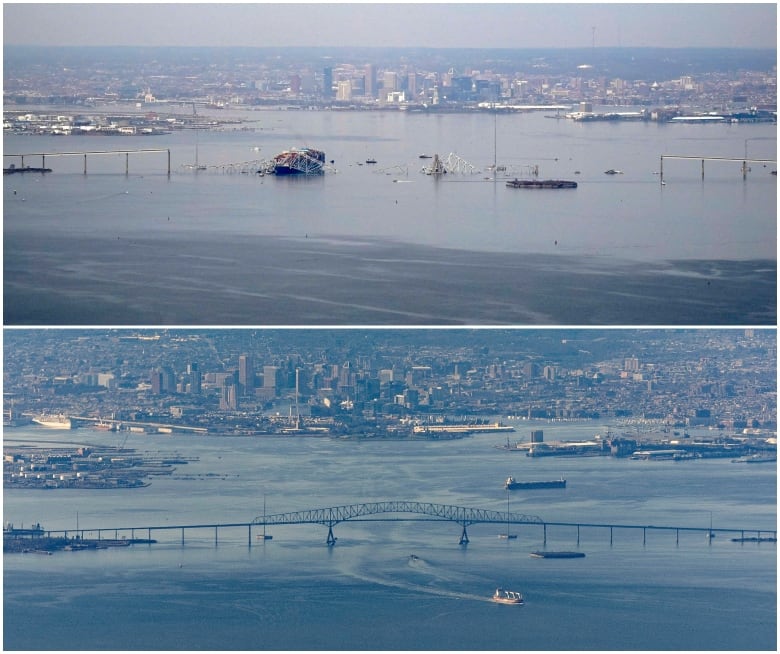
(512, 484)
(53, 422)
(299, 161)
(541, 183)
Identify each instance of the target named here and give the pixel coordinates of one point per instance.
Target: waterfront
(348, 247)
(293, 592)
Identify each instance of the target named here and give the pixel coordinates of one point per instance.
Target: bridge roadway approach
(426, 511)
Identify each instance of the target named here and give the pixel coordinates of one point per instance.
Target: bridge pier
(331, 540)
(464, 537)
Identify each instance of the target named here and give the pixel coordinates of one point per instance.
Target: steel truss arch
(333, 515)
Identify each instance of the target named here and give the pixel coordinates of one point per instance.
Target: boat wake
(431, 576)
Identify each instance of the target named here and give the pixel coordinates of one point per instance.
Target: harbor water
(368, 591)
(138, 248)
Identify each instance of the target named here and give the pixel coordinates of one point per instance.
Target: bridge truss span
(333, 515)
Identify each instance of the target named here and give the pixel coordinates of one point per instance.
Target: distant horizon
(394, 25)
(388, 48)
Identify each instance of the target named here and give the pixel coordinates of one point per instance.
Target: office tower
(193, 379)
(370, 81)
(228, 400)
(246, 375)
(327, 83)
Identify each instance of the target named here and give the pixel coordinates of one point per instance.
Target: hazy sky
(441, 25)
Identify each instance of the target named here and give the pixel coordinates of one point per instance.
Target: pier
(127, 154)
(392, 511)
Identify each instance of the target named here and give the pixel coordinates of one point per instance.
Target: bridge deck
(420, 511)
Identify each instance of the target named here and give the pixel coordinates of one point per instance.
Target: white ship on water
(53, 422)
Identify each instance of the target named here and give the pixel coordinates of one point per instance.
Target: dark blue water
(293, 592)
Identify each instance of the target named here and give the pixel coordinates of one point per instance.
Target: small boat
(370, 161)
(507, 536)
(425, 156)
(502, 596)
(612, 171)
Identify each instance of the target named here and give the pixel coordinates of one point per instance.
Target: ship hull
(526, 485)
(53, 423)
(541, 183)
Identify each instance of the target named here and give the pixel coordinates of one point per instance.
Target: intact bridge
(393, 511)
(332, 516)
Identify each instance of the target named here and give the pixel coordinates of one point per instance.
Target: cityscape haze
(437, 25)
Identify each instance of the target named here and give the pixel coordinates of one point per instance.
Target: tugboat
(502, 596)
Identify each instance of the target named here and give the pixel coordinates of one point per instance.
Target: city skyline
(434, 25)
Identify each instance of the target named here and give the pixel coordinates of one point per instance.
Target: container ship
(299, 161)
(512, 484)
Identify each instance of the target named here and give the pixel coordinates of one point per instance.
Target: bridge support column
(545, 533)
(464, 537)
(250, 534)
(331, 540)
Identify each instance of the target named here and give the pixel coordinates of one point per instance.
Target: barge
(557, 555)
(512, 484)
(541, 183)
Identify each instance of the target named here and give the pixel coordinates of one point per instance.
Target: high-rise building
(272, 376)
(228, 400)
(411, 84)
(193, 379)
(631, 364)
(327, 83)
(370, 81)
(246, 375)
(390, 81)
(344, 91)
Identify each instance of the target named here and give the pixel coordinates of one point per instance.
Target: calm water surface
(293, 592)
(386, 244)
(626, 216)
